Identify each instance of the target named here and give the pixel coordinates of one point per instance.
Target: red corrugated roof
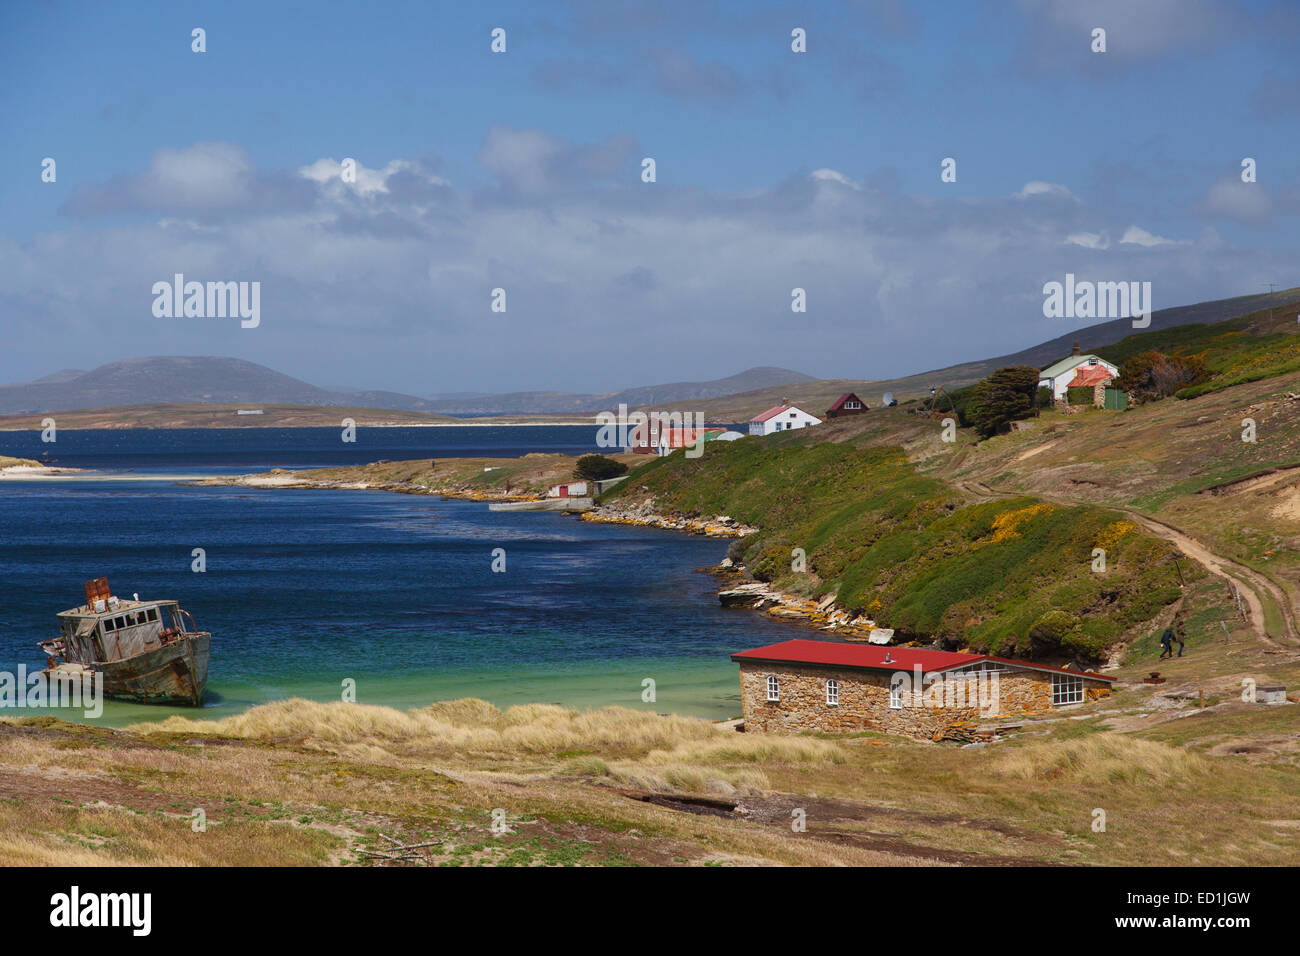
(771, 412)
(1090, 375)
(872, 657)
(842, 399)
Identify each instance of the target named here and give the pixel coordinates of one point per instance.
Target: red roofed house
(846, 404)
(781, 418)
(665, 441)
(832, 687)
(1096, 377)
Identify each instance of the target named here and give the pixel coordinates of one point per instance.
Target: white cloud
(368, 181)
(391, 286)
(1137, 236)
(831, 176)
(1246, 203)
(1036, 188)
(1089, 240)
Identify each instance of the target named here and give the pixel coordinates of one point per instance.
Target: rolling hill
(815, 396)
(182, 380)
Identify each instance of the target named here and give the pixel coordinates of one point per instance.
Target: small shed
(567, 489)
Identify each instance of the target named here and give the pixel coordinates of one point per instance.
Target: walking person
(1167, 643)
(1180, 634)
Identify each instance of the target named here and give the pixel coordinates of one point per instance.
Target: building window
(832, 693)
(773, 689)
(895, 695)
(1067, 689)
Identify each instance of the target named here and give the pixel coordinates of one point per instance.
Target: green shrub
(598, 468)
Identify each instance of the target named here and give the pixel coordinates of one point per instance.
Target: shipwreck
(147, 651)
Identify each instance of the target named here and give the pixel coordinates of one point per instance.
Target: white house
(1058, 377)
(781, 418)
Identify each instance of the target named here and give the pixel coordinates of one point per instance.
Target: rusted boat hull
(176, 673)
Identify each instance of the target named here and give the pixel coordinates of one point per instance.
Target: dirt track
(1246, 580)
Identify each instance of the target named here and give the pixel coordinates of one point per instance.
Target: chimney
(1076, 349)
(887, 660)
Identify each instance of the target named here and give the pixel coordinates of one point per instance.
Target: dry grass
(466, 726)
(1101, 758)
(304, 783)
(117, 836)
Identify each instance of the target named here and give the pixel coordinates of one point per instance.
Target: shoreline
(270, 480)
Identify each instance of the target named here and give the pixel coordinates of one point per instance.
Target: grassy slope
(1164, 460)
(915, 553)
(1248, 348)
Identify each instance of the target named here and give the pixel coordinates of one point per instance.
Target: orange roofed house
(831, 687)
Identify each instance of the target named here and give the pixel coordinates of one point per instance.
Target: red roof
(872, 657)
(1090, 375)
(771, 413)
(844, 398)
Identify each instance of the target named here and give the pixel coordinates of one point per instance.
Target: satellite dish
(888, 399)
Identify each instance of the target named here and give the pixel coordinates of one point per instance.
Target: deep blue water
(306, 588)
(248, 449)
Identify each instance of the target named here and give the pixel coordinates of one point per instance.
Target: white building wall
(787, 420)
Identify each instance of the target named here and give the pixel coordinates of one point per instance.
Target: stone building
(840, 688)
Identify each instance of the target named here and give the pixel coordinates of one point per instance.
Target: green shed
(1116, 399)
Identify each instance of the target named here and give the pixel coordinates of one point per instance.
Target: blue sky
(521, 170)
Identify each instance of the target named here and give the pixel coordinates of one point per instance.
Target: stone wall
(864, 702)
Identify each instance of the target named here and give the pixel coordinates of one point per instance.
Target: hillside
(916, 554)
(987, 544)
(815, 396)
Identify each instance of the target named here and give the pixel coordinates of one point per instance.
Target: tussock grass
(1101, 758)
(468, 725)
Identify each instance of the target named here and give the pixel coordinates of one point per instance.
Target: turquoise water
(305, 589)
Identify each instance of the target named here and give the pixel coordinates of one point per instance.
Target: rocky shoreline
(643, 515)
(823, 615)
(740, 590)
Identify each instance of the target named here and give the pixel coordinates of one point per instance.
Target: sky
(522, 170)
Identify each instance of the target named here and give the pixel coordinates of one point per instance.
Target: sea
(309, 592)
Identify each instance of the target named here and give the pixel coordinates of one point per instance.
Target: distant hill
(569, 403)
(815, 396)
(175, 380)
(183, 379)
